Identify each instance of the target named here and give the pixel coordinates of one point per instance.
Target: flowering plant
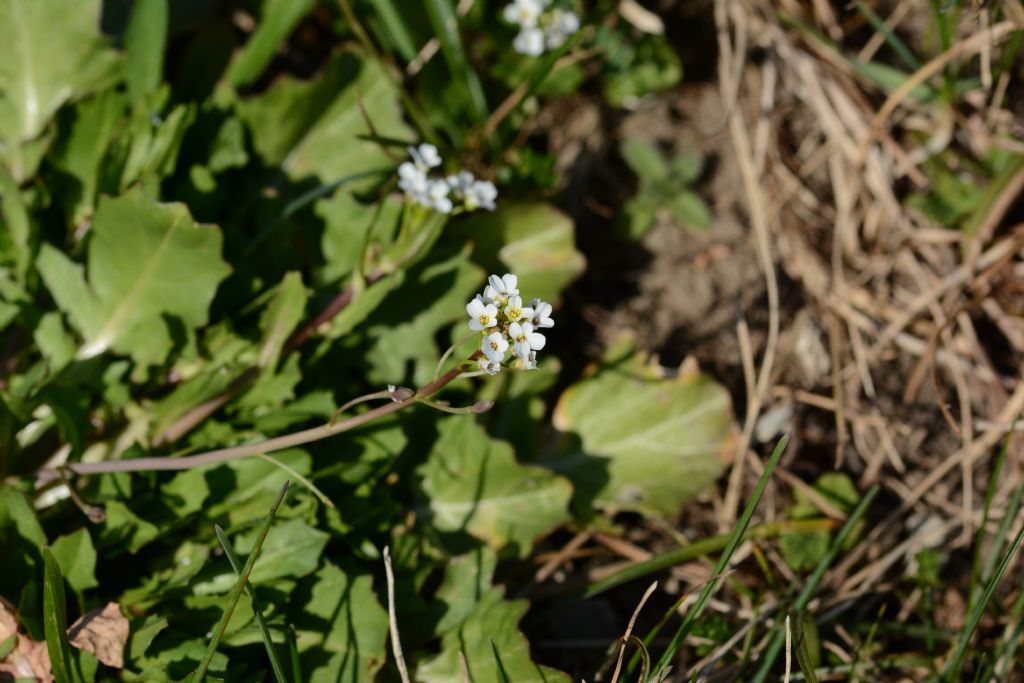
(504, 322)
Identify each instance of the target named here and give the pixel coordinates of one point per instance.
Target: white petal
(475, 308)
(536, 341)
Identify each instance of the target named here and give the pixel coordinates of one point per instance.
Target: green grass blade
(734, 542)
(446, 27)
(772, 651)
(257, 609)
(954, 664)
(893, 40)
(397, 31)
(1007, 650)
(979, 539)
(236, 592)
(55, 621)
(999, 540)
(705, 546)
(803, 658)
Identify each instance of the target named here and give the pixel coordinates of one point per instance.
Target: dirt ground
(888, 346)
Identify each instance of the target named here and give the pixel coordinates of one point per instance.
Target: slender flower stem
(266, 446)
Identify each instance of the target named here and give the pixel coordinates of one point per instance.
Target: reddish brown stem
(265, 446)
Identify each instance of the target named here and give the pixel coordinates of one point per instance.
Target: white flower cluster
(540, 28)
(438, 193)
(503, 321)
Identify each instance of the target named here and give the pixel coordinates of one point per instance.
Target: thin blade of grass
(236, 592)
(953, 666)
(999, 540)
(257, 609)
(772, 651)
(395, 26)
(993, 483)
(1012, 638)
(803, 658)
(55, 621)
(705, 546)
(446, 28)
(893, 40)
(734, 542)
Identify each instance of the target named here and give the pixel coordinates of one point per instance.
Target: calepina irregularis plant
(508, 328)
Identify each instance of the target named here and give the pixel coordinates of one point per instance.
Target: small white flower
(541, 314)
(481, 194)
(462, 182)
(515, 310)
(526, 13)
(437, 196)
(524, 339)
(501, 288)
(494, 346)
(425, 157)
(482, 316)
(412, 180)
(489, 366)
(561, 25)
(530, 42)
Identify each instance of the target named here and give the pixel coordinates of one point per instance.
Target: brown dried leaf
(103, 633)
(29, 658)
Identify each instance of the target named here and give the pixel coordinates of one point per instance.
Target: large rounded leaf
(475, 485)
(634, 440)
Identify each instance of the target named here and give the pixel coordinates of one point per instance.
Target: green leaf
(534, 240)
(342, 630)
(467, 579)
(19, 228)
(690, 210)
(144, 43)
(687, 167)
(639, 442)
(348, 225)
(16, 511)
(406, 322)
(76, 557)
(186, 492)
(284, 313)
(56, 344)
(277, 20)
(644, 159)
(314, 128)
(146, 260)
(474, 485)
(149, 149)
(490, 640)
(292, 549)
(51, 51)
(124, 526)
(81, 150)
(55, 621)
